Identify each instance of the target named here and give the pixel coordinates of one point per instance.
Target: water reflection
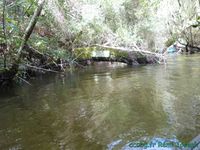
(91, 108)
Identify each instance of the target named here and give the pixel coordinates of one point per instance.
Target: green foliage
(59, 53)
(184, 21)
(84, 53)
(118, 54)
(170, 41)
(122, 23)
(118, 23)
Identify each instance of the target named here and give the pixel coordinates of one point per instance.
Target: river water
(103, 107)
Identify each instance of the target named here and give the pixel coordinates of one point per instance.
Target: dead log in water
(133, 56)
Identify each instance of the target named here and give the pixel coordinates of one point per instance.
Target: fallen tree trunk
(136, 49)
(129, 56)
(127, 49)
(107, 59)
(131, 61)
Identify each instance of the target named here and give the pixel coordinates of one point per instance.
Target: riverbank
(36, 62)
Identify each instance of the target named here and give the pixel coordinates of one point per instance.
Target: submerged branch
(24, 80)
(43, 69)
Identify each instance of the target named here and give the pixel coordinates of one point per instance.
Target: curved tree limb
(4, 30)
(27, 34)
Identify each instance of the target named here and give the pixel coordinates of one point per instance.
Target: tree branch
(26, 36)
(4, 31)
(29, 30)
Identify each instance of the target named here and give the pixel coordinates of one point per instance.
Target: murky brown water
(92, 108)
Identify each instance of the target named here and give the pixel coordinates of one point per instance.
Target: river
(103, 107)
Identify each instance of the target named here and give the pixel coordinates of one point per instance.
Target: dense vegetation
(49, 39)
